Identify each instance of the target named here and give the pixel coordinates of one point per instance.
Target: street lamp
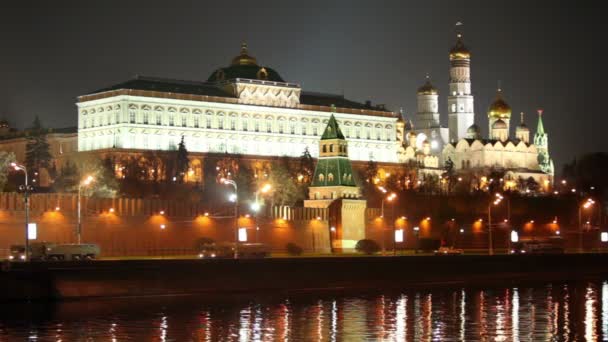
(585, 205)
(236, 215)
(256, 206)
(497, 199)
(388, 198)
(85, 182)
(26, 188)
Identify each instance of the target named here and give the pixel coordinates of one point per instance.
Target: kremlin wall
(132, 227)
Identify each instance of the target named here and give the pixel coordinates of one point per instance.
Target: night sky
(545, 56)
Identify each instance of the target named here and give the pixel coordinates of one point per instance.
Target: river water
(568, 311)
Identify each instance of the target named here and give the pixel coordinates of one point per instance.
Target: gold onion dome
(459, 51)
(244, 58)
(427, 88)
(499, 109)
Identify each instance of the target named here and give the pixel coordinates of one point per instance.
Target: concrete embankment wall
(174, 277)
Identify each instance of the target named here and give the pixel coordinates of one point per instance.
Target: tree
(371, 171)
(532, 185)
(589, 171)
(181, 161)
(285, 190)
(6, 159)
(105, 184)
(67, 180)
(307, 167)
(227, 167)
(449, 174)
(367, 246)
(37, 152)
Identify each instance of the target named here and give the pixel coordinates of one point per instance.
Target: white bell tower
(461, 114)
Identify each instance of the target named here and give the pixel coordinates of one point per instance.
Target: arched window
(321, 177)
(324, 148)
(330, 177)
(331, 148)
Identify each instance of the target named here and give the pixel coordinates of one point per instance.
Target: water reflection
(559, 312)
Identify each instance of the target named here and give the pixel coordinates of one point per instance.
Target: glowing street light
(498, 197)
(26, 188)
(84, 183)
(585, 205)
(236, 214)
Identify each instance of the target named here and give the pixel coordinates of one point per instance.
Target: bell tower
(461, 113)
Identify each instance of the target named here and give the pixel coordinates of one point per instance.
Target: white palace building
(247, 108)
(244, 108)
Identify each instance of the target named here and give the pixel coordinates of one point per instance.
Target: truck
(226, 250)
(539, 246)
(49, 251)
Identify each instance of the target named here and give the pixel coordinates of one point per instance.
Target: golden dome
(499, 109)
(244, 58)
(427, 88)
(459, 51)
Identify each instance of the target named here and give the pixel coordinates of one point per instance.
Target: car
(448, 251)
(223, 250)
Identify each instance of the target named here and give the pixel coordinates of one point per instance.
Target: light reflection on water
(546, 312)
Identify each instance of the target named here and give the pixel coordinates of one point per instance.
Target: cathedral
(247, 108)
(461, 145)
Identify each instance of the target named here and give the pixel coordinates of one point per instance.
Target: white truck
(43, 251)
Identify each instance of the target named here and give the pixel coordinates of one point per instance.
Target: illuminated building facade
(244, 108)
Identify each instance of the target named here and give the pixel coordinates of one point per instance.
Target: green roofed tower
(333, 176)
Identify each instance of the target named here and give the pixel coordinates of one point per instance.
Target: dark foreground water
(572, 311)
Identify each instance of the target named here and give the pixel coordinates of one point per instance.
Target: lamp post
(86, 182)
(256, 206)
(26, 188)
(585, 205)
(498, 198)
(236, 214)
(389, 198)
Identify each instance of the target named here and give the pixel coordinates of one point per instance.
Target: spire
(459, 51)
(244, 58)
(540, 129)
(332, 131)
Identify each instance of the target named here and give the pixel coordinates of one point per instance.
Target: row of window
(258, 125)
(330, 177)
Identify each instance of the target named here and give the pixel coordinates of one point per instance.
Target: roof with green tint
(336, 171)
(332, 130)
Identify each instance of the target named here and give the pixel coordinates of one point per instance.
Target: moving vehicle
(226, 250)
(448, 251)
(43, 251)
(547, 246)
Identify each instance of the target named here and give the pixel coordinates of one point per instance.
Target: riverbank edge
(133, 278)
